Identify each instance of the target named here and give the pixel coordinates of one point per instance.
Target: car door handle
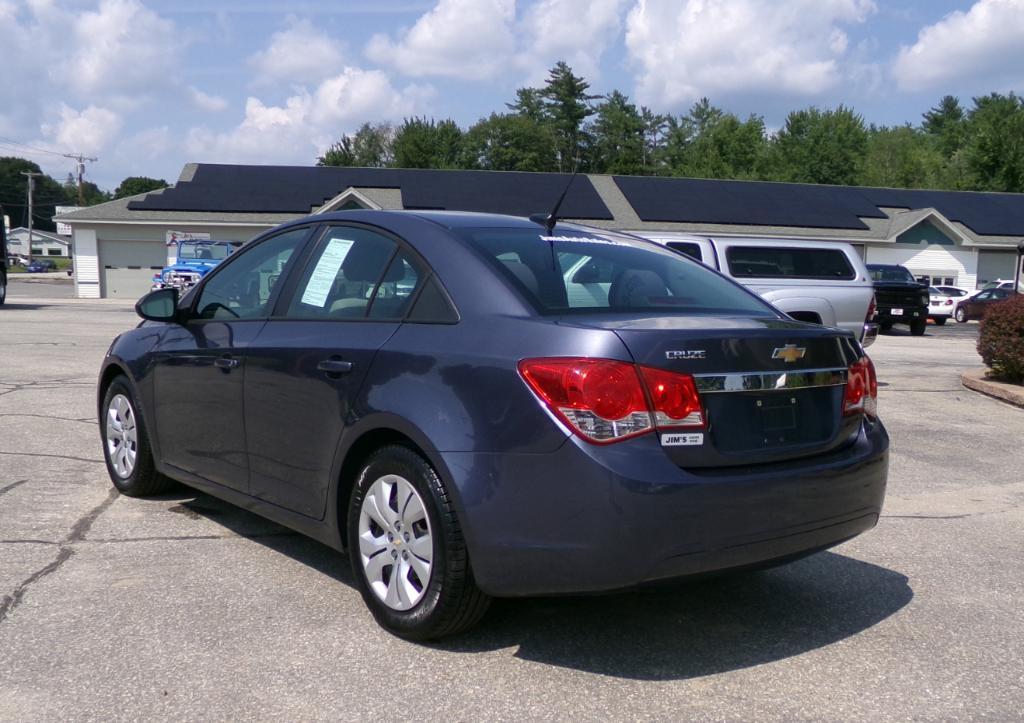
(225, 362)
(335, 366)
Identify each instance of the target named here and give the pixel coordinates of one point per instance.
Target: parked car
(420, 389)
(900, 298)
(193, 260)
(822, 282)
(1001, 284)
(40, 266)
(940, 305)
(954, 291)
(974, 307)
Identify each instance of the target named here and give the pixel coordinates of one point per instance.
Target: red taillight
(861, 389)
(872, 308)
(674, 398)
(599, 399)
(603, 400)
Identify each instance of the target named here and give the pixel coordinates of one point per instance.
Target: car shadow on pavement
(699, 628)
(666, 632)
(198, 505)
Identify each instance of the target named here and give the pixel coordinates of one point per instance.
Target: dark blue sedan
(475, 406)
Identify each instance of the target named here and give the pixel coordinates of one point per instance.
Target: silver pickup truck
(823, 282)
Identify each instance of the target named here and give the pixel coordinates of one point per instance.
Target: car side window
(343, 274)
(242, 289)
(396, 289)
(687, 247)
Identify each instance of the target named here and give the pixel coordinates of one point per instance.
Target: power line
(11, 142)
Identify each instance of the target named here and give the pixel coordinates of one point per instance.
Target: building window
(937, 278)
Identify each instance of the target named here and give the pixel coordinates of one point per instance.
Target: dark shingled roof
(755, 203)
(297, 189)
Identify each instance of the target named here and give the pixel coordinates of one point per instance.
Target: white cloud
(299, 54)
(122, 48)
(685, 50)
(306, 123)
(985, 43)
(205, 101)
(87, 131)
(469, 39)
(595, 25)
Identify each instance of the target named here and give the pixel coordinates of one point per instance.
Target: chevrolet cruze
(475, 406)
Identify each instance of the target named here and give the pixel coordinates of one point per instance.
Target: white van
(823, 282)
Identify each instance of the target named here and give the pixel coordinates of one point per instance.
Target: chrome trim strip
(770, 381)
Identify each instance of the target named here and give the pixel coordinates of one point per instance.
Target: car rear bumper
(588, 518)
(908, 314)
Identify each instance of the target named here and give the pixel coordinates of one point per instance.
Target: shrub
(1001, 339)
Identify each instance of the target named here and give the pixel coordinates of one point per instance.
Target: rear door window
(768, 262)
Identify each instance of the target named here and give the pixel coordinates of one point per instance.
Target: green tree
(14, 194)
(422, 143)
(619, 137)
(568, 106)
(902, 157)
(994, 149)
(508, 142)
(530, 103)
(138, 184)
(368, 147)
(946, 123)
(709, 143)
(816, 146)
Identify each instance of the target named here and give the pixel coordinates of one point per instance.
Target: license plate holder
(777, 415)
(896, 312)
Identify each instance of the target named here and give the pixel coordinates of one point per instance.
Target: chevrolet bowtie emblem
(789, 353)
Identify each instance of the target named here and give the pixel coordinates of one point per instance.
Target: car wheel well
(109, 375)
(356, 457)
(808, 316)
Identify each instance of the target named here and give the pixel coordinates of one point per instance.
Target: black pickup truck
(900, 299)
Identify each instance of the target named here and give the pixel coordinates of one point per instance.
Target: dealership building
(950, 237)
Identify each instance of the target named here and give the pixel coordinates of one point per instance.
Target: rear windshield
(891, 273)
(578, 270)
(769, 262)
(203, 251)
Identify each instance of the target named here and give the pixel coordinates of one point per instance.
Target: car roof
(447, 219)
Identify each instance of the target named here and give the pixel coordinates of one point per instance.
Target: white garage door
(127, 267)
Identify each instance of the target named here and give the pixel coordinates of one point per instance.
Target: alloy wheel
(122, 436)
(395, 542)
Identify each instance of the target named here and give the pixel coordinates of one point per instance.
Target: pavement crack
(171, 538)
(926, 517)
(28, 542)
(52, 456)
(65, 552)
(12, 485)
(82, 420)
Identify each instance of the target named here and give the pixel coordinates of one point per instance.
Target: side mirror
(159, 305)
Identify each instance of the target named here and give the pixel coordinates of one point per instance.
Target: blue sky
(148, 85)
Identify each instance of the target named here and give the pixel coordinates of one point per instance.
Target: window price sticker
(682, 440)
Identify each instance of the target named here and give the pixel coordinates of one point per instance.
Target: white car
(940, 305)
(956, 292)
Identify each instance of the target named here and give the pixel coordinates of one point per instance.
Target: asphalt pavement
(186, 608)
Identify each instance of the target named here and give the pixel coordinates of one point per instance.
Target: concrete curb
(976, 380)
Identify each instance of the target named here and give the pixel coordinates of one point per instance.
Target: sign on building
(63, 229)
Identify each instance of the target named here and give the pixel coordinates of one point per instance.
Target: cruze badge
(789, 353)
(687, 354)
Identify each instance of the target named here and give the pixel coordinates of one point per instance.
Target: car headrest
(636, 287)
(525, 275)
(365, 261)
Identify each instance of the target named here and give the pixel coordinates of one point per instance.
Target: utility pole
(30, 175)
(80, 162)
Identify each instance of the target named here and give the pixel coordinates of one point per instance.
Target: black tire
(450, 602)
(917, 326)
(960, 315)
(142, 479)
(940, 320)
(3, 285)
